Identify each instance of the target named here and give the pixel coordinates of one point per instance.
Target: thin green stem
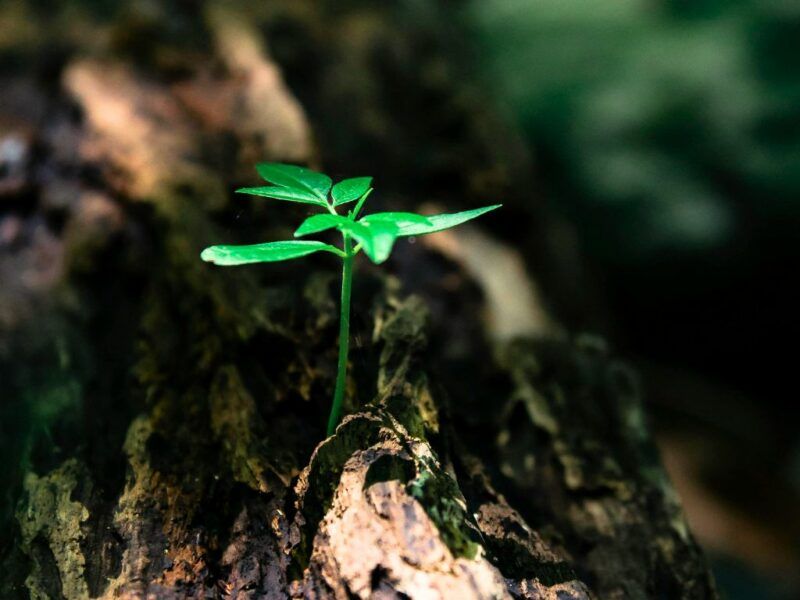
(344, 336)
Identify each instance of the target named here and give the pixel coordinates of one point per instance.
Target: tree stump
(163, 419)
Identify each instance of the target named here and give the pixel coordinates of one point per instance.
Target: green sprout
(375, 234)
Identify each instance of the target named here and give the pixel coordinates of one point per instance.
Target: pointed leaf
(401, 219)
(317, 223)
(269, 252)
(298, 178)
(376, 238)
(354, 213)
(348, 190)
(283, 193)
(443, 221)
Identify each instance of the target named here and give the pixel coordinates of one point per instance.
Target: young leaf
(400, 219)
(298, 178)
(348, 190)
(442, 222)
(377, 238)
(360, 203)
(283, 193)
(269, 252)
(317, 223)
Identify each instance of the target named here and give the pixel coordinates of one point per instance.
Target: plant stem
(344, 336)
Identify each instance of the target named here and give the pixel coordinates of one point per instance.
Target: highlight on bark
(375, 234)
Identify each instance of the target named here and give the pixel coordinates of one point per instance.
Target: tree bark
(165, 419)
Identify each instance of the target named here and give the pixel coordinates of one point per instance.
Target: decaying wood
(473, 463)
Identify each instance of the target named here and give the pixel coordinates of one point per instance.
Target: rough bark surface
(163, 418)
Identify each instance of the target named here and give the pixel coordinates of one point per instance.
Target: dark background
(668, 133)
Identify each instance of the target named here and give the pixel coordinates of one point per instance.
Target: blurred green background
(668, 133)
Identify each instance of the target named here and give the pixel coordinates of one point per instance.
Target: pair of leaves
(376, 233)
(297, 184)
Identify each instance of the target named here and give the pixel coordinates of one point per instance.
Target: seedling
(375, 234)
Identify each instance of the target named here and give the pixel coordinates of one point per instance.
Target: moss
(390, 467)
(50, 526)
(439, 495)
(403, 389)
(240, 430)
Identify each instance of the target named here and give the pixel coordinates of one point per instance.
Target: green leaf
(269, 252)
(360, 203)
(348, 190)
(401, 219)
(317, 223)
(377, 238)
(283, 193)
(298, 178)
(442, 222)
